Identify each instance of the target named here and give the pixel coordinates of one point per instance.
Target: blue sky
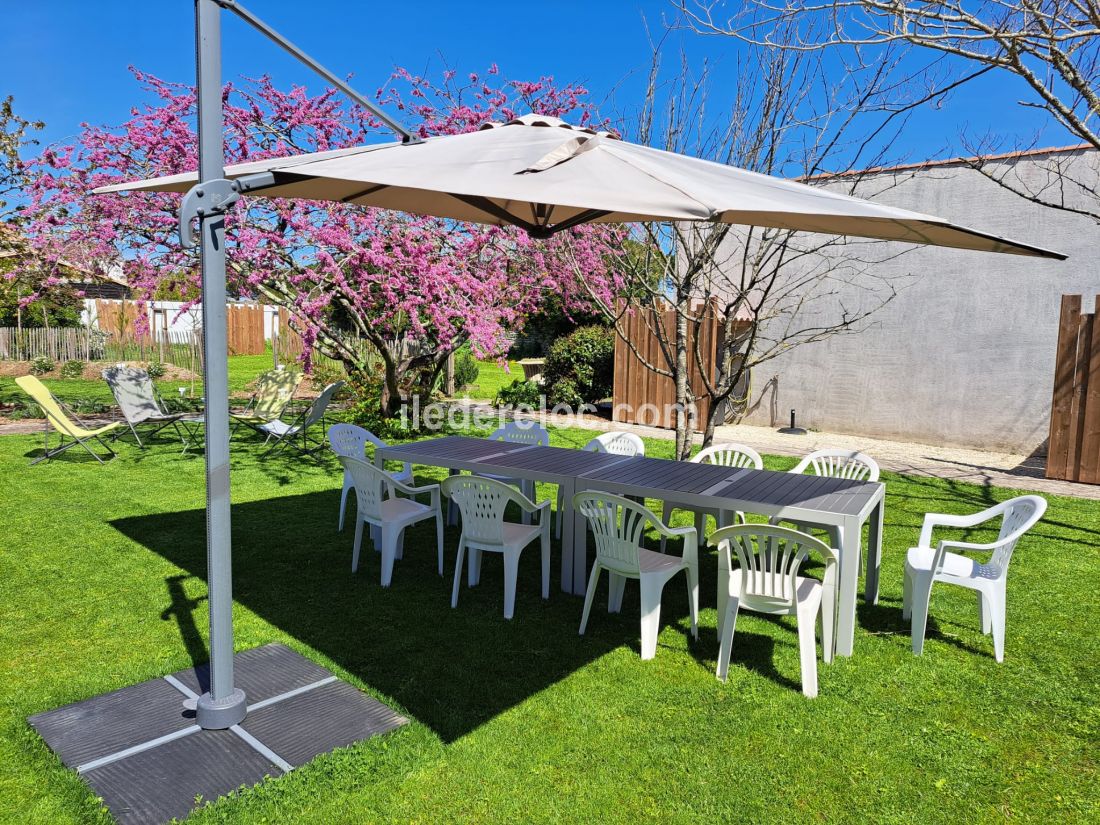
(66, 60)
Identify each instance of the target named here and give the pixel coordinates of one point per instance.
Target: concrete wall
(965, 354)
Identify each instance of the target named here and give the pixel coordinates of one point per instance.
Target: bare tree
(793, 114)
(1052, 46)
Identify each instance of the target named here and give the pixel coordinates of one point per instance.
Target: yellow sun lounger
(274, 389)
(57, 415)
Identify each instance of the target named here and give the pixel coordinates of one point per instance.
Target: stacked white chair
(615, 442)
(725, 455)
(766, 580)
(389, 514)
(925, 564)
(349, 440)
(619, 525)
(482, 503)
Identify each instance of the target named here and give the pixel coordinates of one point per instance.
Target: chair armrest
(933, 520)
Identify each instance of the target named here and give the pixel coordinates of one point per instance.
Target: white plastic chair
(767, 581)
(389, 514)
(615, 442)
(925, 565)
(482, 502)
(725, 455)
(520, 432)
(847, 464)
(619, 525)
(349, 440)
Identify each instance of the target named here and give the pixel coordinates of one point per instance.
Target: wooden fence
(1073, 452)
(55, 343)
(640, 395)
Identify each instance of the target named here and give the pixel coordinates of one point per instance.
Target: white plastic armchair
(615, 442)
(766, 580)
(389, 513)
(618, 525)
(925, 564)
(725, 455)
(520, 432)
(482, 503)
(349, 440)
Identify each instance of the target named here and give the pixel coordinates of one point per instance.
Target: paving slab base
(139, 749)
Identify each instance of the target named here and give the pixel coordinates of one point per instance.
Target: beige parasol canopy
(544, 175)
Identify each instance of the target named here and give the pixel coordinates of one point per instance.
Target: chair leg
(907, 595)
(390, 539)
(984, 618)
(458, 571)
(807, 651)
(355, 547)
(545, 558)
(725, 636)
(666, 514)
(701, 527)
(650, 587)
(558, 515)
(528, 489)
(920, 596)
(137, 437)
(828, 623)
(439, 538)
(511, 574)
(589, 597)
(996, 609)
(343, 508)
(399, 545)
(473, 569)
(615, 586)
(693, 598)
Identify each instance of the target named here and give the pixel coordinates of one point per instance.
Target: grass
(101, 586)
(491, 378)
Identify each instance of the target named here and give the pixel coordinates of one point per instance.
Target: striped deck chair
(274, 390)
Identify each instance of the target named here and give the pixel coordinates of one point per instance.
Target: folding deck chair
(137, 398)
(58, 415)
(274, 390)
(296, 434)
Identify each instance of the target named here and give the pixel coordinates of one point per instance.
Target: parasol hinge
(215, 197)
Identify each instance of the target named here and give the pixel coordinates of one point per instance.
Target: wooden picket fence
(1073, 452)
(55, 343)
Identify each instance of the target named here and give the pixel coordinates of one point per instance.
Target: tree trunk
(684, 419)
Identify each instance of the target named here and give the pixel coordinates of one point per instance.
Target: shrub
(326, 372)
(156, 369)
(579, 367)
(519, 393)
(466, 368)
(72, 369)
(41, 365)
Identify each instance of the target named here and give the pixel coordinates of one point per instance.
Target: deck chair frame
(297, 432)
(62, 425)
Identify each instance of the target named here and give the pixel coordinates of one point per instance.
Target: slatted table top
(663, 478)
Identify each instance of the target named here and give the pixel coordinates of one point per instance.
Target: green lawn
(491, 377)
(101, 586)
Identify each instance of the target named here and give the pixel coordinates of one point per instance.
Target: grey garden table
(551, 465)
(842, 503)
(812, 499)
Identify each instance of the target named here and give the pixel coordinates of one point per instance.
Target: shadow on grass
(451, 669)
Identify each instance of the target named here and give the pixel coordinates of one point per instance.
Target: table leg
(849, 584)
(566, 516)
(874, 553)
(580, 552)
(452, 508)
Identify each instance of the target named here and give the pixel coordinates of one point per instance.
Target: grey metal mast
(224, 705)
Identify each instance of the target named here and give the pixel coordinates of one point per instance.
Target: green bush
(466, 368)
(579, 367)
(41, 365)
(156, 369)
(519, 393)
(72, 369)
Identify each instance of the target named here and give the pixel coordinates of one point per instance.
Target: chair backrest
(522, 432)
(769, 557)
(133, 391)
(849, 464)
(349, 440)
(1018, 516)
(482, 502)
(370, 483)
(618, 525)
(616, 443)
(274, 389)
(729, 455)
(44, 399)
(320, 404)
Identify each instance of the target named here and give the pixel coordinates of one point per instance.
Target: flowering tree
(360, 284)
